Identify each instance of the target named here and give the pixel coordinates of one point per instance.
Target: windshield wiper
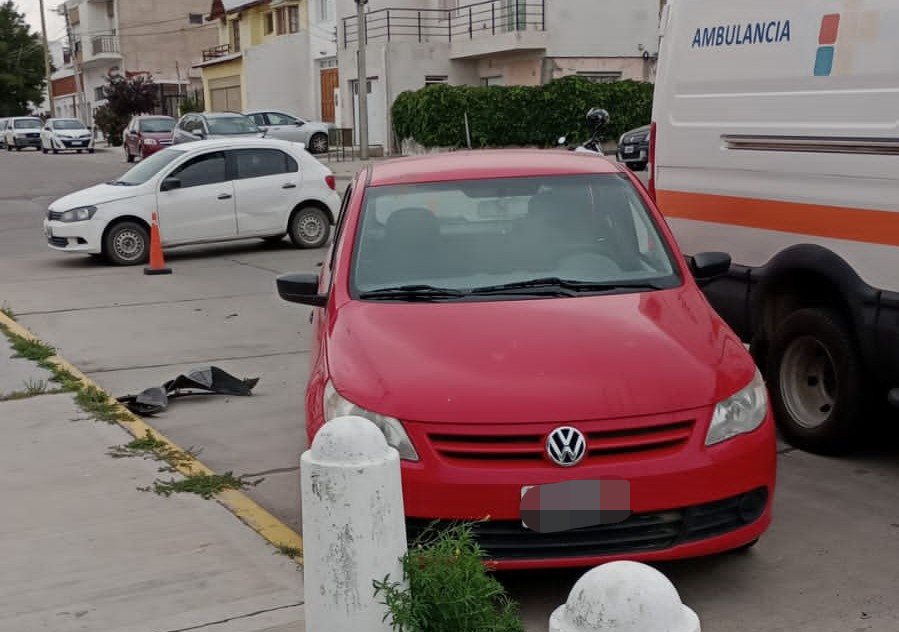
(564, 285)
(412, 292)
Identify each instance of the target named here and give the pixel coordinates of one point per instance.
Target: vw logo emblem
(566, 446)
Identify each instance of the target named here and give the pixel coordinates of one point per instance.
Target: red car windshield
(157, 126)
(470, 235)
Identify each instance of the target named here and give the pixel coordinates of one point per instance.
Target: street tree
(22, 78)
(125, 97)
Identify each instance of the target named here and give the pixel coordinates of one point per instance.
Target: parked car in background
(23, 131)
(147, 134)
(208, 125)
(3, 122)
(276, 124)
(66, 134)
(562, 337)
(205, 191)
(633, 148)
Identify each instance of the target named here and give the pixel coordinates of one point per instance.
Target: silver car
(206, 125)
(284, 126)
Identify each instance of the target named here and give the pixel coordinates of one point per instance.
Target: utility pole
(362, 81)
(79, 79)
(48, 70)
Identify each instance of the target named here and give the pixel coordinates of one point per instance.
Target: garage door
(225, 94)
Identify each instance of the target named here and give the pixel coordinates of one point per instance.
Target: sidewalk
(84, 549)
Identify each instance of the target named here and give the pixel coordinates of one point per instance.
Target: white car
(205, 191)
(22, 131)
(64, 134)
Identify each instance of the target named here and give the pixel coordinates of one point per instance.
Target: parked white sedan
(205, 191)
(66, 134)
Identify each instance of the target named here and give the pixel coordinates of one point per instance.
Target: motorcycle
(597, 118)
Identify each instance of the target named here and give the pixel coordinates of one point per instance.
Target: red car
(512, 318)
(145, 135)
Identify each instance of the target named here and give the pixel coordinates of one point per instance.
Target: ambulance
(775, 139)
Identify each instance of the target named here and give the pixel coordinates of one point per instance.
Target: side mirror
(563, 140)
(302, 288)
(170, 184)
(706, 266)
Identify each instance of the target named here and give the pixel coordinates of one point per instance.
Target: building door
(329, 82)
(376, 120)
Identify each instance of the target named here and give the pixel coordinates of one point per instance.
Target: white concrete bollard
(354, 528)
(623, 597)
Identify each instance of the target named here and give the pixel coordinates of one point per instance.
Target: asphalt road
(828, 564)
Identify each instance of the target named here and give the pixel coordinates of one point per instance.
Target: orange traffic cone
(157, 263)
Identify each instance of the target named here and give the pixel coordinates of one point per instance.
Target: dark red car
(514, 318)
(147, 134)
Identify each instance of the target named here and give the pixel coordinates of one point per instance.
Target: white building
(412, 43)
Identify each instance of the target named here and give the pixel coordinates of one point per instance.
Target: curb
(238, 503)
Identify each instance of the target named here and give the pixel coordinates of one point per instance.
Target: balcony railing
(216, 51)
(105, 44)
(490, 17)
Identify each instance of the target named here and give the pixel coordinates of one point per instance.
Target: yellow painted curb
(237, 502)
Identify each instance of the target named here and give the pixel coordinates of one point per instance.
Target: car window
(259, 119)
(231, 125)
(157, 125)
(280, 119)
(485, 232)
(28, 124)
(68, 124)
(149, 167)
(202, 170)
(258, 163)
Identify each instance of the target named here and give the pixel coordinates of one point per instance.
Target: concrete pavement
(83, 549)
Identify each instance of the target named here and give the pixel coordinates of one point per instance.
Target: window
(99, 93)
(341, 222)
(195, 18)
(259, 119)
(281, 20)
(237, 124)
(259, 163)
(492, 81)
(157, 125)
(280, 119)
(293, 19)
(269, 23)
(431, 80)
(471, 234)
(235, 35)
(202, 170)
(600, 76)
(149, 167)
(324, 10)
(28, 123)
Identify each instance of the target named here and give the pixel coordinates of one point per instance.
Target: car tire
(127, 243)
(309, 227)
(816, 380)
(43, 150)
(55, 152)
(129, 157)
(318, 144)
(91, 150)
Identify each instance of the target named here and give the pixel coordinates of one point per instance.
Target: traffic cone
(157, 263)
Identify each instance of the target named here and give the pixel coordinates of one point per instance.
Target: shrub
(518, 115)
(448, 589)
(111, 124)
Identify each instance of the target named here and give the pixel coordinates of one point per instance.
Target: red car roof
(487, 163)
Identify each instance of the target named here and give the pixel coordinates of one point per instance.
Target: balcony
(474, 30)
(223, 50)
(102, 47)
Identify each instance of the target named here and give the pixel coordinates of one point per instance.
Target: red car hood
(550, 360)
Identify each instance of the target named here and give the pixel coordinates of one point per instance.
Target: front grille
(603, 442)
(54, 215)
(508, 540)
(59, 242)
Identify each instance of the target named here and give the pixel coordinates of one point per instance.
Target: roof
(488, 163)
(223, 7)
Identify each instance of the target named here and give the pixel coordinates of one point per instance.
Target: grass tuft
(205, 485)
